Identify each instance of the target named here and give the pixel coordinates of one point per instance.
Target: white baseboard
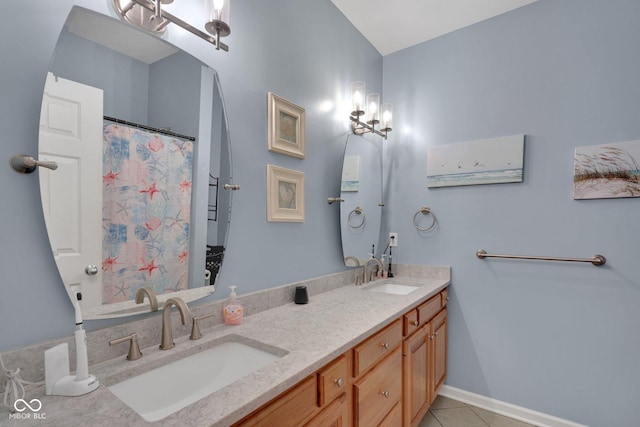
(507, 409)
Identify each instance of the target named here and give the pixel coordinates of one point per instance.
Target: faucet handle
(195, 326)
(134, 349)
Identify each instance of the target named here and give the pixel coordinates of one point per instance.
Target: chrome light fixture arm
(360, 128)
(218, 29)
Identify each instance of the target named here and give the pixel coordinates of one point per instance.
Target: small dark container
(302, 296)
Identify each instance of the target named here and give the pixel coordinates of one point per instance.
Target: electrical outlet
(393, 239)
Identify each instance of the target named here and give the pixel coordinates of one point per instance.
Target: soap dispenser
(232, 311)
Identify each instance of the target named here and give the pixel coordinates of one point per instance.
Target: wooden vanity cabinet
(292, 409)
(334, 415)
(321, 399)
(425, 359)
(377, 372)
(388, 380)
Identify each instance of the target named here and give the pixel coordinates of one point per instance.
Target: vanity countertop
(313, 334)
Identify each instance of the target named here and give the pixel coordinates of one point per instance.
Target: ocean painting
(607, 171)
(487, 161)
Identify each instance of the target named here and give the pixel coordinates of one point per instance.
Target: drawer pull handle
(386, 393)
(385, 346)
(416, 323)
(339, 382)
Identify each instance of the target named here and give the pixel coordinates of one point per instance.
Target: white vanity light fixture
(369, 107)
(150, 16)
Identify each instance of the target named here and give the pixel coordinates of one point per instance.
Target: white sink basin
(392, 288)
(162, 391)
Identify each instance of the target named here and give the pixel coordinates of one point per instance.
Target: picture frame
(285, 195)
(286, 127)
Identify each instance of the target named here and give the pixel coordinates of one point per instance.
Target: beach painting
(487, 161)
(607, 171)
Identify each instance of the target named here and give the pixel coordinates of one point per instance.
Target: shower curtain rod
(145, 127)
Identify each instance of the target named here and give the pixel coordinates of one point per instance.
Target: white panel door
(71, 135)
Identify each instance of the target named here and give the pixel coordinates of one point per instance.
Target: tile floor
(445, 412)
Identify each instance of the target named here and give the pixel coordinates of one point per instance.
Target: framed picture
(487, 161)
(285, 195)
(286, 127)
(607, 171)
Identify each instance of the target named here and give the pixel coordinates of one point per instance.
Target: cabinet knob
(385, 346)
(416, 323)
(339, 382)
(386, 393)
(430, 337)
(436, 334)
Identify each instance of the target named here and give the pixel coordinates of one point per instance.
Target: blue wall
(282, 46)
(558, 338)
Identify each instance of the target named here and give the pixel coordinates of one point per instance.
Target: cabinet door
(334, 415)
(439, 346)
(416, 364)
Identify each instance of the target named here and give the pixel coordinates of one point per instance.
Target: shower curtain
(146, 212)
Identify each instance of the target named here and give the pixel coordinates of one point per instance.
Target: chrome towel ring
(425, 210)
(358, 211)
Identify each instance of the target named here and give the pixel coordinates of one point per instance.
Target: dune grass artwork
(607, 171)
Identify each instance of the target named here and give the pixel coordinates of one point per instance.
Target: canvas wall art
(350, 174)
(607, 171)
(488, 161)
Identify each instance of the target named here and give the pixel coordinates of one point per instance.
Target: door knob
(91, 270)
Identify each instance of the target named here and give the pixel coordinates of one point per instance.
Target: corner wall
(558, 338)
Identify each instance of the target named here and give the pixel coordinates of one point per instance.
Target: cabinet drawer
(366, 354)
(445, 296)
(289, 410)
(332, 380)
(429, 309)
(394, 418)
(410, 322)
(378, 391)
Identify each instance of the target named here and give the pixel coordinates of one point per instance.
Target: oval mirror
(138, 130)
(361, 192)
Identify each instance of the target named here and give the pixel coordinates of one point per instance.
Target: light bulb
(387, 117)
(373, 102)
(357, 98)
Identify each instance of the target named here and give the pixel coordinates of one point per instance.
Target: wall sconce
(149, 15)
(370, 108)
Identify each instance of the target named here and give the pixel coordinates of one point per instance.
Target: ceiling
(409, 22)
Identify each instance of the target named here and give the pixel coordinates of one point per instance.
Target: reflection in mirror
(139, 131)
(361, 190)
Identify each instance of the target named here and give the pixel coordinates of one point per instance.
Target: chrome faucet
(151, 295)
(185, 314)
(366, 273)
